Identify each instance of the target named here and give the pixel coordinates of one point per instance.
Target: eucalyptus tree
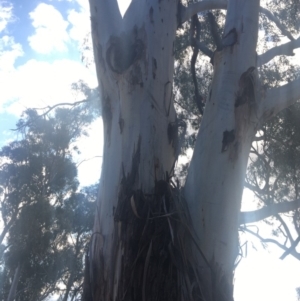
(154, 240)
(40, 204)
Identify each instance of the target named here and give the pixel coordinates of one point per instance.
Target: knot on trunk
(123, 51)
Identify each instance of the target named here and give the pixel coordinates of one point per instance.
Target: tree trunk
(13, 288)
(144, 246)
(135, 72)
(216, 174)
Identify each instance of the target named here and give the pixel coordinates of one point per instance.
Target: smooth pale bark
(283, 49)
(135, 63)
(277, 99)
(215, 178)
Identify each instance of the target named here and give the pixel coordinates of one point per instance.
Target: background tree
(185, 240)
(46, 221)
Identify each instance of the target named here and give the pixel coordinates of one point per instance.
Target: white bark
(135, 64)
(138, 106)
(283, 49)
(277, 99)
(215, 179)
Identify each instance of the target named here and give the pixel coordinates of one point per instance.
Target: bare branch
(85, 160)
(273, 241)
(260, 138)
(277, 99)
(284, 49)
(192, 9)
(291, 248)
(186, 13)
(286, 228)
(270, 210)
(253, 187)
(214, 30)
(271, 17)
(50, 108)
(202, 47)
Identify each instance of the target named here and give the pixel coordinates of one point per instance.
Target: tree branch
(287, 233)
(214, 27)
(284, 49)
(50, 108)
(203, 48)
(271, 17)
(106, 19)
(186, 13)
(192, 9)
(273, 241)
(259, 138)
(247, 217)
(277, 99)
(85, 160)
(291, 248)
(253, 187)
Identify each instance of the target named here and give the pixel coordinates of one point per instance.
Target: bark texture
(151, 240)
(129, 255)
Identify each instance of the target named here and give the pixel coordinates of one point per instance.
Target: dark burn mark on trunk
(154, 67)
(121, 124)
(246, 92)
(221, 288)
(230, 38)
(127, 186)
(151, 15)
(93, 271)
(107, 118)
(228, 138)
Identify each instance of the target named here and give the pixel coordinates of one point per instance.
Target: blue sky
(40, 57)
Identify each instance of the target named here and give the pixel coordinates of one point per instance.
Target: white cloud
(50, 30)
(81, 25)
(9, 52)
(6, 14)
(40, 84)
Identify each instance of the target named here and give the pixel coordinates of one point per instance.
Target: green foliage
(48, 220)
